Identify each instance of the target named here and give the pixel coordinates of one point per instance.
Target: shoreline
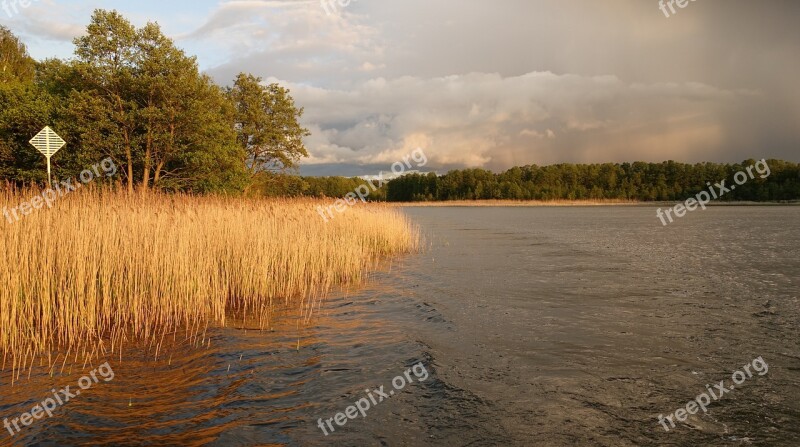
(566, 203)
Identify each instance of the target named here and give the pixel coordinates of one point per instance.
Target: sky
(492, 84)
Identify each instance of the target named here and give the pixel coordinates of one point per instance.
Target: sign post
(48, 143)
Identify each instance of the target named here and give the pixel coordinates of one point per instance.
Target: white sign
(48, 143)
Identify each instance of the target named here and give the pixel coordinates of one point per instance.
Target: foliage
(667, 181)
(132, 95)
(15, 63)
(627, 181)
(267, 125)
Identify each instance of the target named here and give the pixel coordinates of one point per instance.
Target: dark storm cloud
(494, 85)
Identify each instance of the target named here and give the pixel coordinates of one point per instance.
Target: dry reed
(104, 267)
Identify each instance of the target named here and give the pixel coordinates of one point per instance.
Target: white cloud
(45, 20)
(291, 40)
(488, 120)
(549, 134)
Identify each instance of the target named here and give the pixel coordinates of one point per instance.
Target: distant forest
(641, 181)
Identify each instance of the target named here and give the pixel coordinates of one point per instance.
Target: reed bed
(103, 268)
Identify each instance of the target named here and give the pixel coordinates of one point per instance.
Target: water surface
(538, 326)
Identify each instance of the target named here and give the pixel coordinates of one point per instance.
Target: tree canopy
(15, 63)
(131, 94)
(667, 181)
(267, 125)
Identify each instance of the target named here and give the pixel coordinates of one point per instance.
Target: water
(536, 326)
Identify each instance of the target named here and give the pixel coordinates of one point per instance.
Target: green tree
(144, 100)
(267, 125)
(15, 63)
(24, 111)
(106, 59)
(186, 127)
(209, 158)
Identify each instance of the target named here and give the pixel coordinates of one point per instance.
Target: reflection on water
(538, 327)
(245, 386)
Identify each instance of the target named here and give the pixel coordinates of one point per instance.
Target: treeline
(132, 95)
(667, 181)
(285, 185)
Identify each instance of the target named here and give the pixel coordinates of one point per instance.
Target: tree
(267, 125)
(15, 63)
(144, 97)
(24, 111)
(106, 60)
(181, 112)
(206, 157)
(132, 95)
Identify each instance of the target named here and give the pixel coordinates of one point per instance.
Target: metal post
(49, 176)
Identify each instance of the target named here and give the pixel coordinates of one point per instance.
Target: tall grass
(103, 267)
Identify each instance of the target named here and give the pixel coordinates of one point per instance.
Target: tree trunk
(158, 172)
(128, 150)
(147, 163)
(130, 168)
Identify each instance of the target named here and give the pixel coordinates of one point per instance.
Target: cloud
(537, 134)
(295, 40)
(44, 20)
(488, 120)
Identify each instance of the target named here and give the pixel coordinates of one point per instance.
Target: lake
(527, 326)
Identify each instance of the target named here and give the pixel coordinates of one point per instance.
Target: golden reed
(101, 267)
